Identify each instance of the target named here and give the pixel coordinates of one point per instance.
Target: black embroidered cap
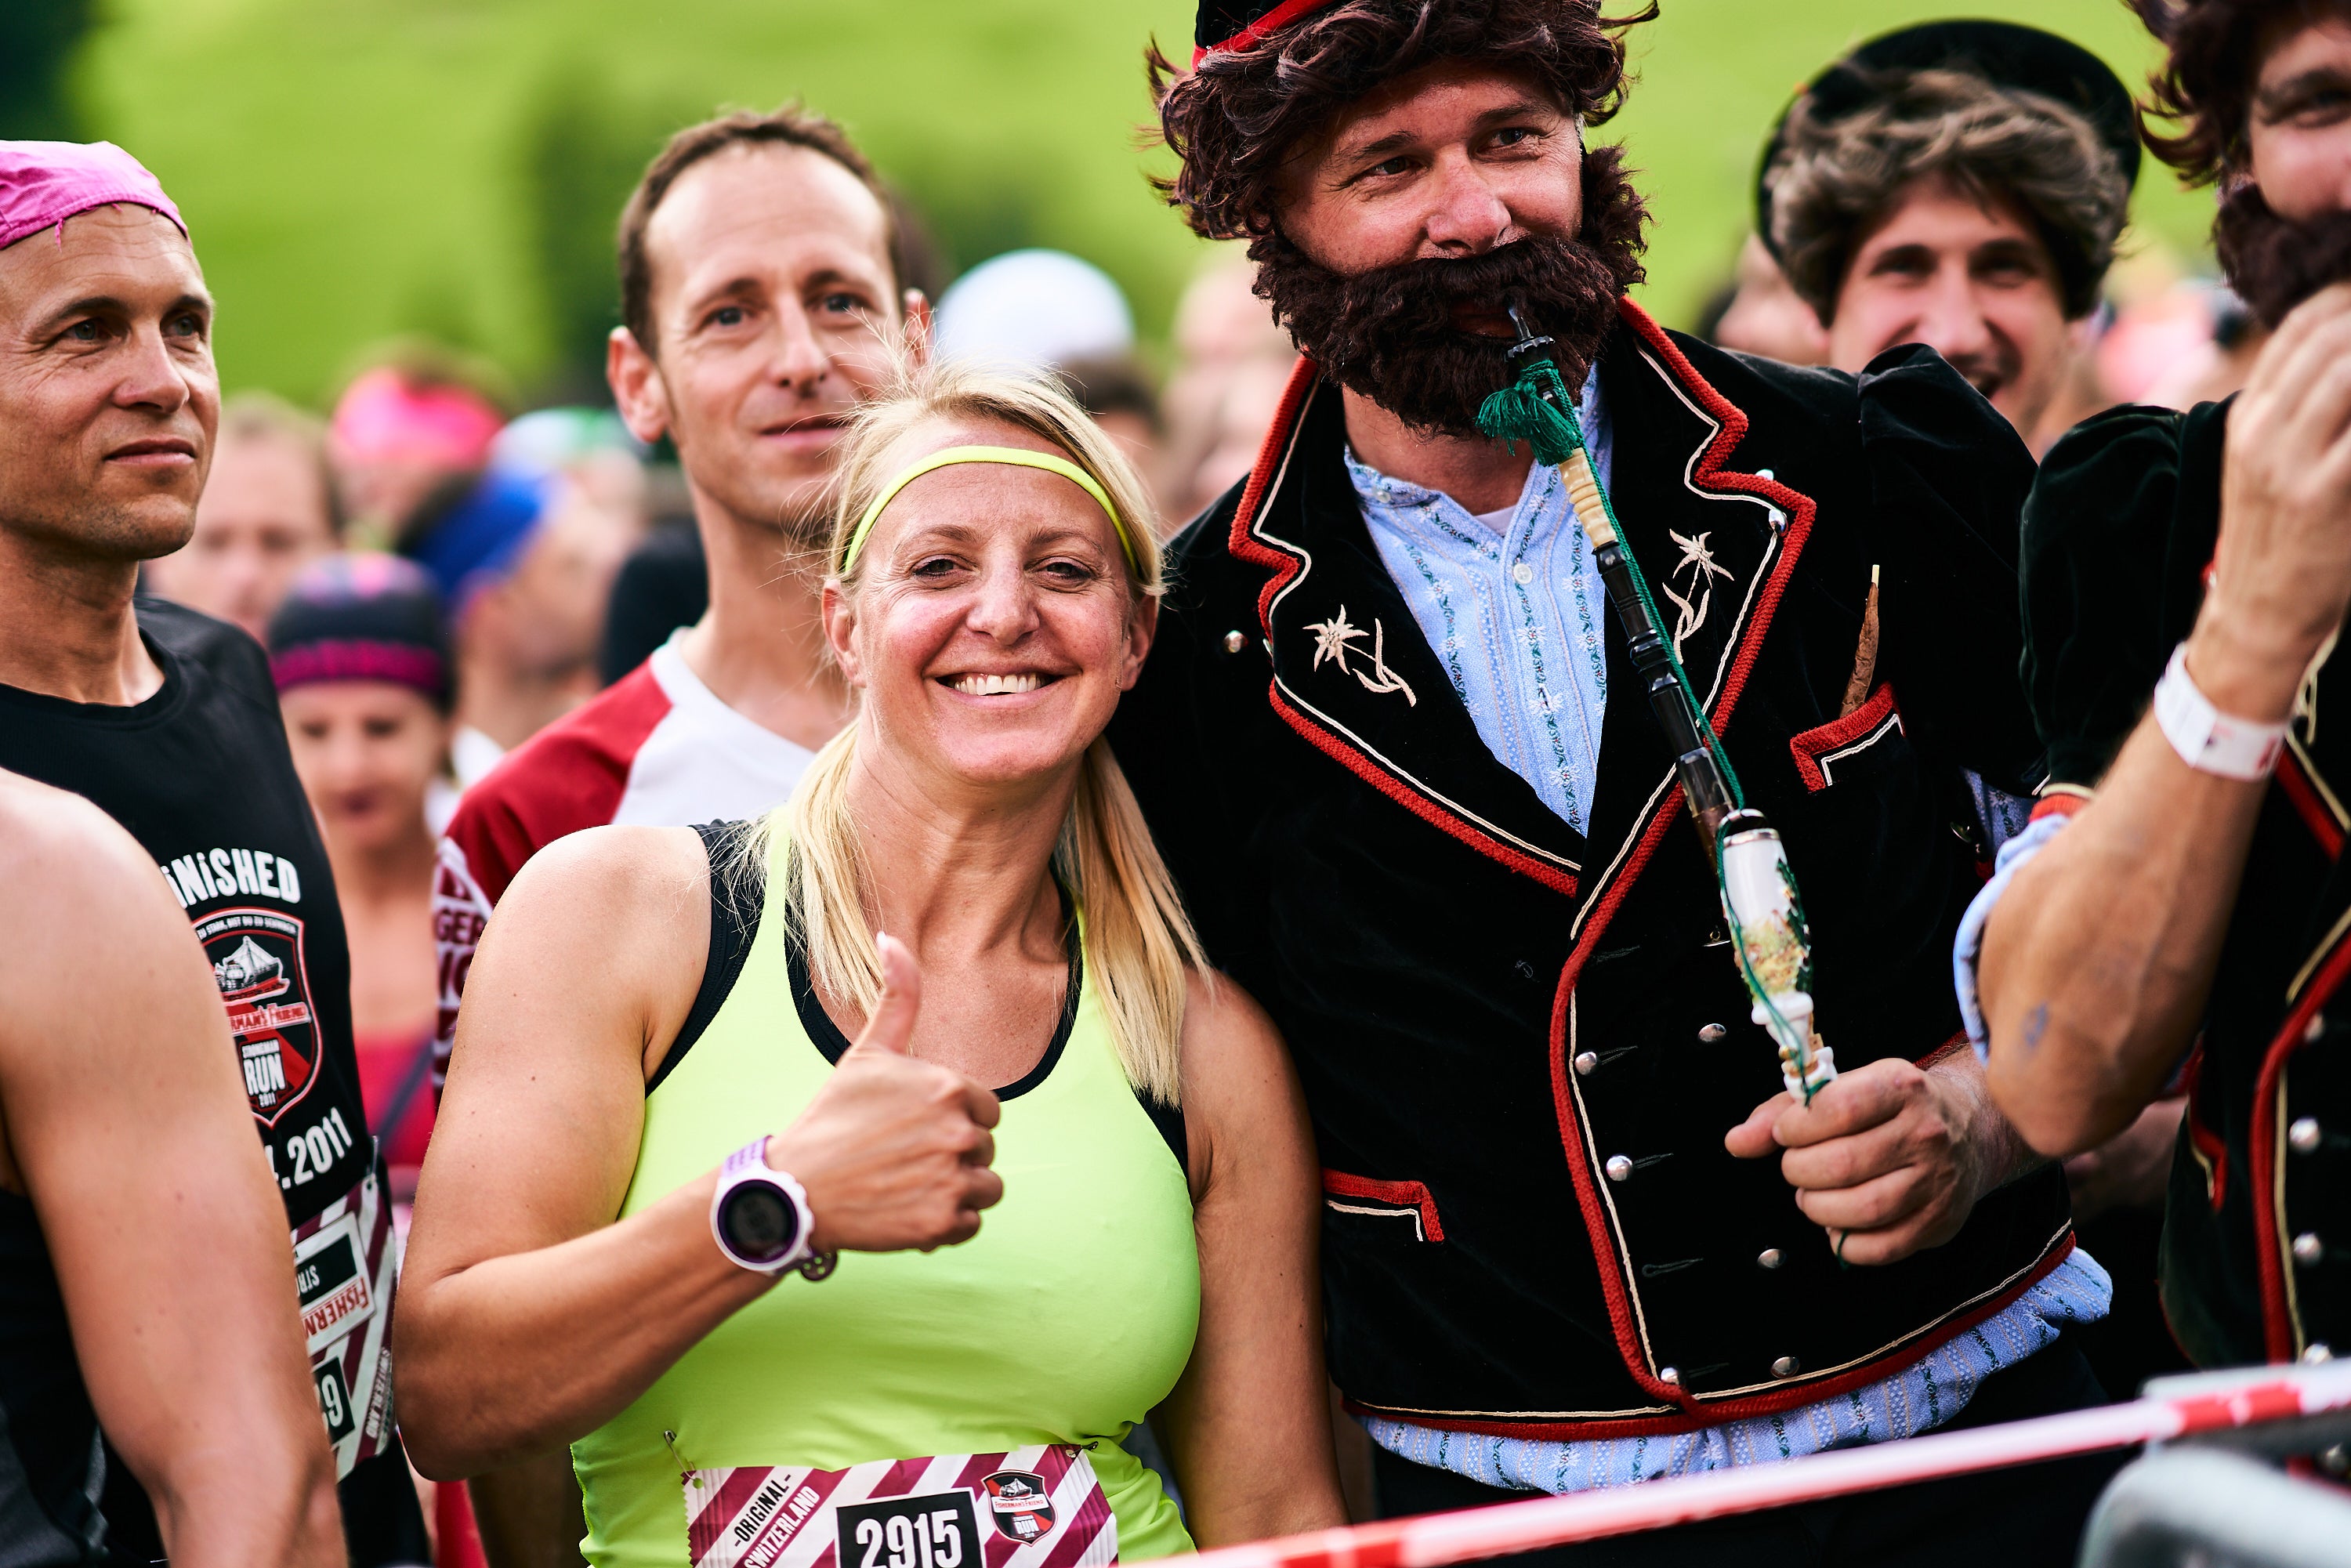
(1239, 24)
(2025, 59)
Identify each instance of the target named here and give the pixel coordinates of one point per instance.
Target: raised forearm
(2097, 961)
(521, 1353)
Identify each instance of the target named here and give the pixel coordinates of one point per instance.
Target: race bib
(344, 1269)
(1032, 1508)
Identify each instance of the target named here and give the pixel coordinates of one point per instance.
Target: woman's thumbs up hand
(894, 1152)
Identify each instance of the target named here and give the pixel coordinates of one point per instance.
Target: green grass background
(354, 169)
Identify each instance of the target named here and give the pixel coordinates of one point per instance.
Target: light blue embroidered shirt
(1512, 605)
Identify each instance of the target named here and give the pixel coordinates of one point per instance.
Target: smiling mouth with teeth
(996, 686)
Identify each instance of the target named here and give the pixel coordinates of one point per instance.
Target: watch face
(760, 1222)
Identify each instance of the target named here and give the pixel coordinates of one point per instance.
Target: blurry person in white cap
(1033, 308)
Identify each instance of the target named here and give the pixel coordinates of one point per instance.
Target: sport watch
(761, 1219)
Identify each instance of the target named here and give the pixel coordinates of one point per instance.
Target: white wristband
(2206, 738)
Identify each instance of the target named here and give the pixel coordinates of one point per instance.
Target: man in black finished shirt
(168, 721)
(103, 1110)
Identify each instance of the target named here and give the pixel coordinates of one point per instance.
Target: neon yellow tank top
(1064, 1320)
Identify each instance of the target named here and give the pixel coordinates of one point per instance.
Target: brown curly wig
(1234, 119)
(2206, 85)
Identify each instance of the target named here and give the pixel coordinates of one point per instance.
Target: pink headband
(42, 184)
(383, 419)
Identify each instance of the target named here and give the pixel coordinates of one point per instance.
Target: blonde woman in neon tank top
(1061, 1178)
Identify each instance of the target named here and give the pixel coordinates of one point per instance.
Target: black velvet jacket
(2257, 1231)
(1486, 1008)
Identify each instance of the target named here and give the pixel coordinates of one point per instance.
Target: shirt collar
(1377, 489)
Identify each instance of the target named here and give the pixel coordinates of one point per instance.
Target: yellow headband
(1014, 456)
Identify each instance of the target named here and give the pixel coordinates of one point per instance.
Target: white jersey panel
(703, 762)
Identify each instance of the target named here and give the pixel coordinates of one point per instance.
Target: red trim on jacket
(2302, 795)
(1270, 454)
(1809, 747)
(1402, 1194)
(2059, 806)
(1418, 804)
(2201, 1138)
(1280, 16)
(2277, 1321)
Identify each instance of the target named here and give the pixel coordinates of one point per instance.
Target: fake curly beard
(2273, 263)
(1389, 333)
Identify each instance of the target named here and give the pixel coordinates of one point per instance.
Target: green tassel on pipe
(1521, 412)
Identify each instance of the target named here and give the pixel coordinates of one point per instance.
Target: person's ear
(840, 629)
(918, 326)
(1142, 628)
(638, 390)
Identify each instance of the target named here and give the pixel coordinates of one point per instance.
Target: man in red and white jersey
(761, 293)
(761, 297)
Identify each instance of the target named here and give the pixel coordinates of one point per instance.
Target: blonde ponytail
(1140, 948)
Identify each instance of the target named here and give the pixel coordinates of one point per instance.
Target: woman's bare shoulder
(617, 916)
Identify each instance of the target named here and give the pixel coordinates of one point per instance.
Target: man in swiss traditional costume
(1391, 743)
(2183, 884)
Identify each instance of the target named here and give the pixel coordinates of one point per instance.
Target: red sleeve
(570, 776)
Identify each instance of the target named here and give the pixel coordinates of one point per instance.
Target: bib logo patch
(256, 959)
(1023, 1505)
(1045, 1508)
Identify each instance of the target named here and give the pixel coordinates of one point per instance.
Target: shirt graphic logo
(1335, 640)
(256, 959)
(1698, 562)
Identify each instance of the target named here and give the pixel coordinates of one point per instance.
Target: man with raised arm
(168, 720)
(1392, 741)
(141, 1244)
(2177, 913)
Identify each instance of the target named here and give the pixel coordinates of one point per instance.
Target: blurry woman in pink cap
(403, 430)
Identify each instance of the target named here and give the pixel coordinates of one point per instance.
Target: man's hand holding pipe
(1890, 1158)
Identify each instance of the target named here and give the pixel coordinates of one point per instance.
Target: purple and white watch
(761, 1217)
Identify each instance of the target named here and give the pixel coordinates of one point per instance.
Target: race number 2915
(939, 1531)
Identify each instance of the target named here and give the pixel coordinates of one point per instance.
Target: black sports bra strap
(737, 893)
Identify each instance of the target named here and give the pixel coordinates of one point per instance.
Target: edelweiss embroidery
(1334, 639)
(1698, 561)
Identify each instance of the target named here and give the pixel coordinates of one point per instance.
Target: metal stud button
(1586, 1061)
(1786, 1366)
(1618, 1167)
(1768, 1259)
(2308, 1248)
(1670, 1375)
(2337, 1460)
(1234, 641)
(2316, 1353)
(2302, 1135)
(1711, 1032)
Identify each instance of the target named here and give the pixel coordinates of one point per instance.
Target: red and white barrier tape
(1434, 1539)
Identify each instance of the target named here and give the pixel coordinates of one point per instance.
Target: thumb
(1752, 1139)
(892, 1024)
